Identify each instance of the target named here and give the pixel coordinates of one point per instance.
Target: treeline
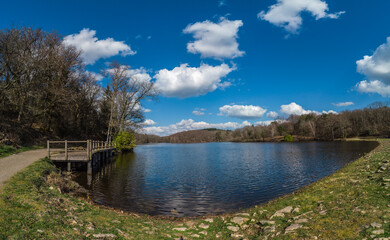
(45, 91)
(371, 121)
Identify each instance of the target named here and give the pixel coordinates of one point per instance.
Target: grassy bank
(353, 203)
(6, 150)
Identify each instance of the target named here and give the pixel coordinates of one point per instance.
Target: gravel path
(14, 163)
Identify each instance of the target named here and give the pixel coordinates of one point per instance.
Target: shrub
(125, 141)
(288, 138)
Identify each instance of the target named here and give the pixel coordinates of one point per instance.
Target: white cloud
(215, 40)
(374, 86)
(377, 70)
(146, 110)
(295, 109)
(377, 66)
(287, 13)
(242, 111)
(199, 111)
(343, 104)
(148, 122)
(185, 81)
(94, 49)
(189, 124)
(272, 114)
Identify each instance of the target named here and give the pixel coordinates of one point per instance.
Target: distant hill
(192, 136)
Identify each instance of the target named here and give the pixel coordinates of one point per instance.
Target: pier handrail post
(66, 150)
(48, 149)
(88, 150)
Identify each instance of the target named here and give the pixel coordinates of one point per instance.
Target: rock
(281, 212)
(242, 214)
(293, 227)
(115, 221)
(296, 210)
(269, 229)
(204, 226)
(267, 222)
(190, 223)
(203, 232)
(376, 225)
(180, 229)
(236, 235)
(40, 231)
(90, 227)
(104, 235)
(149, 232)
(323, 212)
(210, 220)
(303, 220)
(379, 231)
(239, 220)
(277, 214)
(195, 235)
(232, 228)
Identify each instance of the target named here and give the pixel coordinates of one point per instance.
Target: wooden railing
(88, 146)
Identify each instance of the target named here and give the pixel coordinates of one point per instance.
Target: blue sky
(229, 63)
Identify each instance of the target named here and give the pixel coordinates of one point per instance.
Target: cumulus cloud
(189, 124)
(242, 111)
(272, 114)
(343, 104)
(215, 40)
(287, 13)
(374, 86)
(295, 109)
(94, 49)
(148, 122)
(376, 69)
(146, 110)
(185, 81)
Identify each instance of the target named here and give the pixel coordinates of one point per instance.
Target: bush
(288, 138)
(125, 141)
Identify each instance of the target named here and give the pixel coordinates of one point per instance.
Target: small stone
(210, 220)
(379, 231)
(286, 209)
(267, 222)
(323, 212)
(104, 235)
(40, 231)
(203, 232)
(115, 221)
(236, 235)
(232, 228)
(239, 220)
(277, 214)
(303, 220)
(190, 223)
(269, 229)
(242, 214)
(296, 210)
(293, 227)
(376, 225)
(195, 235)
(180, 229)
(204, 226)
(150, 232)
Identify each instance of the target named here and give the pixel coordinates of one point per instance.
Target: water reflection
(198, 179)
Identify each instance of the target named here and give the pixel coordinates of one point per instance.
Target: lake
(213, 178)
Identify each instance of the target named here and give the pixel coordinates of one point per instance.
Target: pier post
(89, 167)
(48, 149)
(66, 156)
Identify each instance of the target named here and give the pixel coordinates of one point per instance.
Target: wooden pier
(90, 152)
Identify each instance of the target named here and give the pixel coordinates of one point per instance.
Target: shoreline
(255, 222)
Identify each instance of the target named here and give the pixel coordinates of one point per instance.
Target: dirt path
(14, 163)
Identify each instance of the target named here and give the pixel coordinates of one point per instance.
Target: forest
(374, 120)
(46, 92)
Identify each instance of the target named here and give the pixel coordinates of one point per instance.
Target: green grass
(341, 206)
(6, 150)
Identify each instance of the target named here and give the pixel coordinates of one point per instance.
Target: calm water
(207, 178)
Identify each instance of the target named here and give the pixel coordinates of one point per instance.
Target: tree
(125, 141)
(125, 92)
